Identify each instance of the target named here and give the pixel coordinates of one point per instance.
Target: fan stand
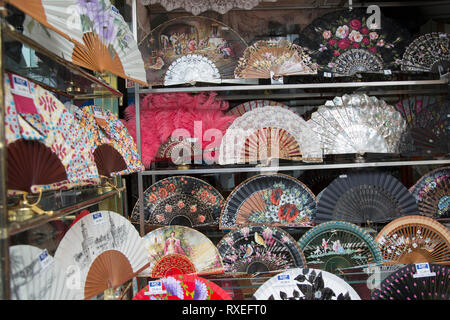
(24, 210)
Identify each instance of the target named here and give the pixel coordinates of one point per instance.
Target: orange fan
(414, 239)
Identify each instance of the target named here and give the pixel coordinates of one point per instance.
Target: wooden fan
(108, 160)
(414, 239)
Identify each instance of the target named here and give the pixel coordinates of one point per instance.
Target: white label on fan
(275, 81)
(44, 259)
(98, 113)
(387, 72)
(225, 28)
(284, 280)
(442, 35)
(343, 176)
(155, 287)
(327, 75)
(423, 270)
(98, 218)
(191, 140)
(21, 87)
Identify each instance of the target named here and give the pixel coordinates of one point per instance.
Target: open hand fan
(365, 197)
(267, 59)
(432, 193)
(102, 250)
(185, 287)
(181, 200)
(257, 249)
(114, 150)
(338, 245)
(428, 53)
(305, 284)
(357, 124)
(414, 239)
(269, 132)
(191, 49)
(179, 151)
(239, 110)
(276, 200)
(47, 149)
(408, 284)
(36, 276)
(181, 250)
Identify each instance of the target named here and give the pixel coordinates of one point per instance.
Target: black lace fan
(365, 197)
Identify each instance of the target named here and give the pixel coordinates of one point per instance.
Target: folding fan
(428, 53)
(414, 239)
(239, 110)
(47, 149)
(338, 245)
(343, 42)
(179, 151)
(102, 250)
(267, 59)
(269, 132)
(185, 287)
(305, 284)
(357, 124)
(107, 43)
(180, 200)
(114, 150)
(176, 250)
(191, 49)
(34, 275)
(257, 249)
(432, 193)
(408, 284)
(365, 197)
(276, 200)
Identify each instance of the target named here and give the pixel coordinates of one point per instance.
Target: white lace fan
(34, 275)
(192, 68)
(235, 141)
(101, 250)
(358, 124)
(305, 284)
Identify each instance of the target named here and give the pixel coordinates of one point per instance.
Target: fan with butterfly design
(242, 108)
(275, 200)
(176, 250)
(432, 193)
(428, 53)
(256, 249)
(305, 284)
(267, 59)
(357, 123)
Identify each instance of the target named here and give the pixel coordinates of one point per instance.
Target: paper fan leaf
(233, 143)
(357, 124)
(276, 200)
(283, 287)
(178, 249)
(180, 200)
(257, 249)
(102, 250)
(281, 58)
(215, 47)
(239, 110)
(337, 245)
(414, 239)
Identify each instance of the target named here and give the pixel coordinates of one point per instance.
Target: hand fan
(115, 152)
(344, 43)
(180, 200)
(414, 239)
(181, 250)
(275, 200)
(34, 275)
(365, 197)
(408, 284)
(102, 250)
(338, 245)
(242, 137)
(256, 249)
(107, 43)
(305, 284)
(47, 149)
(239, 110)
(191, 49)
(357, 124)
(267, 59)
(432, 193)
(179, 151)
(185, 287)
(428, 53)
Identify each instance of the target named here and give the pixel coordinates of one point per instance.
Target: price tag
(279, 80)
(98, 113)
(327, 74)
(343, 176)
(284, 280)
(155, 287)
(45, 260)
(387, 72)
(423, 270)
(98, 218)
(21, 87)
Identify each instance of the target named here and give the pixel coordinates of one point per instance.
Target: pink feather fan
(199, 116)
